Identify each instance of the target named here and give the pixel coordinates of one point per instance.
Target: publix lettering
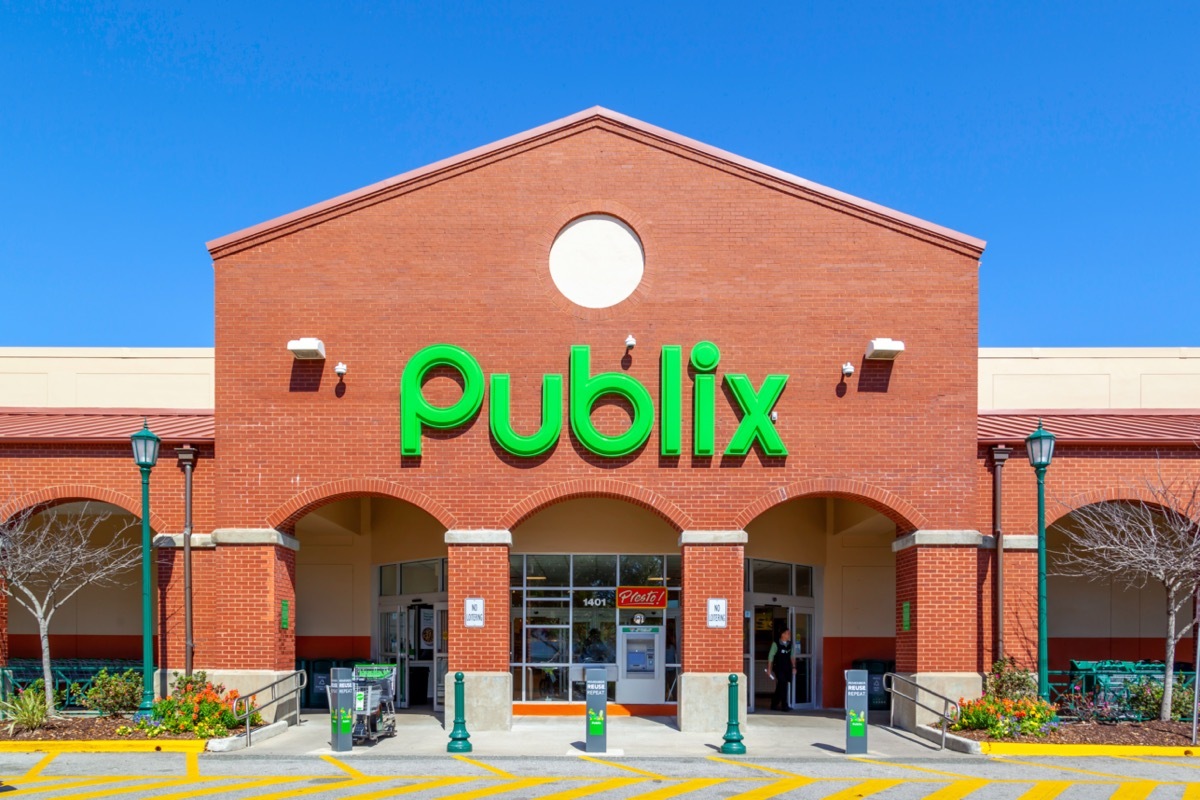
(586, 389)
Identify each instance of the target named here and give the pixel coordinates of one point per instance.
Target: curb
(959, 744)
(106, 746)
(238, 742)
(1029, 749)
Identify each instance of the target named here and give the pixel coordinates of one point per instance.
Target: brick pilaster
(478, 567)
(713, 567)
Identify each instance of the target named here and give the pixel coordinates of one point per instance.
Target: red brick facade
(784, 277)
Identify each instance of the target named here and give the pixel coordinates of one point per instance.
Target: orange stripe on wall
(70, 645)
(318, 647)
(839, 653)
(1063, 650)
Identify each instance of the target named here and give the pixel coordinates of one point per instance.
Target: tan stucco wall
(852, 545)
(341, 546)
(95, 611)
(1077, 607)
(106, 377)
(1089, 378)
(595, 525)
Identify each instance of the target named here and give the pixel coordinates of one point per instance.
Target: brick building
(626, 399)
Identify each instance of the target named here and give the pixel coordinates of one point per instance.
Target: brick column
(713, 567)
(938, 577)
(477, 565)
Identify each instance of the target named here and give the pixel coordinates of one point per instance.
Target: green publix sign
(416, 413)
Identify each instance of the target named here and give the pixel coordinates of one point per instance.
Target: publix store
(595, 395)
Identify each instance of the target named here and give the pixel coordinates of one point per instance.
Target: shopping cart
(374, 702)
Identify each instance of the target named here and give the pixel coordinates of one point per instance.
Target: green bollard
(733, 736)
(459, 735)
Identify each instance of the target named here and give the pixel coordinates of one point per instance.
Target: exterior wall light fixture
(307, 348)
(884, 349)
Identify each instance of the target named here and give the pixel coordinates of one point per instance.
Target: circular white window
(597, 261)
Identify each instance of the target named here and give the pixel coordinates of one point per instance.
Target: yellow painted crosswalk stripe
(343, 766)
(1138, 790)
(500, 787)
(231, 787)
(594, 788)
(412, 787)
(676, 789)
(615, 765)
(59, 784)
(865, 788)
(141, 787)
(322, 784)
(488, 767)
(958, 789)
(1026, 763)
(1046, 790)
(773, 789)
(749, 765)
(193, 764)
(41, 765)
(894, 764)
(1191, 791)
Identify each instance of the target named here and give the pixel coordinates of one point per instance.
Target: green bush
(1008, 682)
(26, 710)
(114, 694)
(1145, 699)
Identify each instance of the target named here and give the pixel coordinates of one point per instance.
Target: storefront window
(674, 571)
(541, 570)
(804, 581)
(771, 577)
(389, 580)
(642, 571)
(595, 570)
(417, 577)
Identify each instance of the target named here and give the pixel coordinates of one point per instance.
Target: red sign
(641, 597)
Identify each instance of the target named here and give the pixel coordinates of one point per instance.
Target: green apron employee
(780, 668)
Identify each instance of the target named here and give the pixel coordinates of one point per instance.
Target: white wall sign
(718, 612)
(473, 612)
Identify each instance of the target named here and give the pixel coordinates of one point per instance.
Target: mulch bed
(1169, 734)
(75, 728)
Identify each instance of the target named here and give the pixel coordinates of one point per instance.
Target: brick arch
(69, 493)
(287, 515)
(892, 506)
(607, 488)
(1127, 494)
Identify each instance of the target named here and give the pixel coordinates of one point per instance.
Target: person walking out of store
(780, 668)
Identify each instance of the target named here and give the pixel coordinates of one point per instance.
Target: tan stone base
(488, 698)
(908, 715)
(704, 702)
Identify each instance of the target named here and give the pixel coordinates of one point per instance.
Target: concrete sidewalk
(793, 735)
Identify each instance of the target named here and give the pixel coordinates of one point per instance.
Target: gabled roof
(102, 425)
(1132, 426)
(592, 117)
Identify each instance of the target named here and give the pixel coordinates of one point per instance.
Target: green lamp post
(145, 455)
(1040, 447)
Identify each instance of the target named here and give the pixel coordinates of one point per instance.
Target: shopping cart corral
(374, 702)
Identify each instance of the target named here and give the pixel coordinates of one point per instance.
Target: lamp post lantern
(145, 455)
(1040, 447)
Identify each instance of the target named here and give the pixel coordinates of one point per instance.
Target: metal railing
(246, 702)
(889, 684)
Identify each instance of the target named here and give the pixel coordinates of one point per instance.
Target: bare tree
(47, 557)
(1155, 539)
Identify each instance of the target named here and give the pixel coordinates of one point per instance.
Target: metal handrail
(248, 710)
(947, 703)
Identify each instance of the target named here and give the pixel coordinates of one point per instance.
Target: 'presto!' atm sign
(586, 389)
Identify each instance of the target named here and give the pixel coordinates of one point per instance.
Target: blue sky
(1067, 135)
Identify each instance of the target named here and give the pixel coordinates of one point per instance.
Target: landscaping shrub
(1008, 682)
(1093, 707)
(1003, 718)
(1145, 699)
(195, 705)
(114, 694)
(26, 710)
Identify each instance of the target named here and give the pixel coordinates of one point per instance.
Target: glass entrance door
(441, 655)
(803, 694)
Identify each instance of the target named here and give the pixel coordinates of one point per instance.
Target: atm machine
(640, 664)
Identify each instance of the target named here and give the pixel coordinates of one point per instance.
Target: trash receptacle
(877, 696)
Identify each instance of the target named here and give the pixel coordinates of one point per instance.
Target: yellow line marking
(488, 767)
(958, 789)
(234, 787)
(107, 746)
(141, 787)
(412, 787)
(37, 768)
(748, 765)
(1138, 790)
(500, 788)
(1191, 791)
(1046, 790)
(595, 788)
(865, 788)
(325, 783)
(344, 767)
(772, 789)
(193, 764)
(71, 784)
(909, 766)
(677, 789)
(1173, 762)
(602, 762)
(1093, 773)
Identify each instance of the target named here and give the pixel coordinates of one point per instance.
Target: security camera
(630, 342)
(340, 369)
(847, 369)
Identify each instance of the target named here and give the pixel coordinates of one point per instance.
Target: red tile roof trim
(103, 425)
